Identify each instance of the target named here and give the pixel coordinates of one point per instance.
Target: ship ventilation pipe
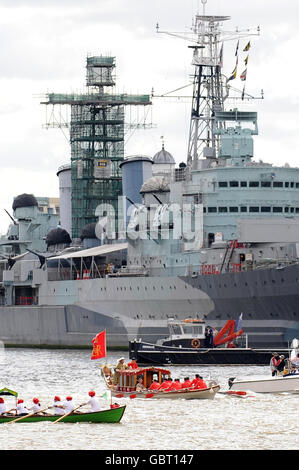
(65, 194)
(135, 171)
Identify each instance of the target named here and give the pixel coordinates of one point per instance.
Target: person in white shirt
(68, 405)
(2, 407)
(36, 407)
(58, 407)
(21, 408)
(93, 402)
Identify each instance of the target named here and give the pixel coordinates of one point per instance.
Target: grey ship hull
(72, 312)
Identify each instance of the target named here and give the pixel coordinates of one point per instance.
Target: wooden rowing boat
(113, 415)
(186, 394)
(127, 385)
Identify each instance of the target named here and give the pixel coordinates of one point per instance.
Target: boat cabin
(128, 379)
(187, 329)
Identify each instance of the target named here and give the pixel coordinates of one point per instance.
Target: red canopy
(142, 370)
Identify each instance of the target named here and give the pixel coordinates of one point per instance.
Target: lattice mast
(209, 88)
(97, 140)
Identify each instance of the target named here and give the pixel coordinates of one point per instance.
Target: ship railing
(208, 269)
(26, 300)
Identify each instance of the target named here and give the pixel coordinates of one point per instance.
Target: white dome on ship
(155, 184)
(163, 157)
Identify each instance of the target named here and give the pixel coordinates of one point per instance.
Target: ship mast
(209, 87)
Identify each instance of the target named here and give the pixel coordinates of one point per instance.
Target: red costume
(155, 386)
(175, 386)
(187, 384)
(165, 385)
(133, 364)
(200, 384)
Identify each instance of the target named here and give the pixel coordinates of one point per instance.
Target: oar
(64, 416)
(28, 416)
(12, 409)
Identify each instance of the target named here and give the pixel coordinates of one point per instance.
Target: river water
(263, 422)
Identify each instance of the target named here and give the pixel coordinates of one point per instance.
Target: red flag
(133, 396)
(99, 346)
(149, 395)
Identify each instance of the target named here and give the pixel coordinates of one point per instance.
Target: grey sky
(44, 44)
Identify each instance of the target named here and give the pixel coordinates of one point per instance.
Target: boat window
(243, 209)
(188, 329)
(254, 184)
(277, 209)
(277, 184)
(265, 209)
(175, 330)
(254, 209)
(198, 329)
(234, 184)
(286, 209)
(222, 209)
(286, 184)
(233, 209)
(222, 184)
(297, 210)
(243, 184)
(266, 184)
(212, 209)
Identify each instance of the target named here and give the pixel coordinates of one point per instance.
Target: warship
(215, 237)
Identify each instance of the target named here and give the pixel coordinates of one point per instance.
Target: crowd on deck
(280, 365)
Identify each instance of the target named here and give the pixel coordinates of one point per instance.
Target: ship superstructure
(210, 239)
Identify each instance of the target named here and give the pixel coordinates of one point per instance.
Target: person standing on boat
(209, 337)
(281, 365)
(133, 364)
(273, 364)
(2, 407)
(119, 366)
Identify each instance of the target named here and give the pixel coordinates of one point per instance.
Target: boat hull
(113, 415)
(131, 308)
(200, 394)
(265, 384)
(146, 354)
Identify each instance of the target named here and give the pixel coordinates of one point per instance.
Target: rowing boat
(127, 385)
(113, 415)
(186, 394)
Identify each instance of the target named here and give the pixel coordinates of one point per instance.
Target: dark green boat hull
(106, 416)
